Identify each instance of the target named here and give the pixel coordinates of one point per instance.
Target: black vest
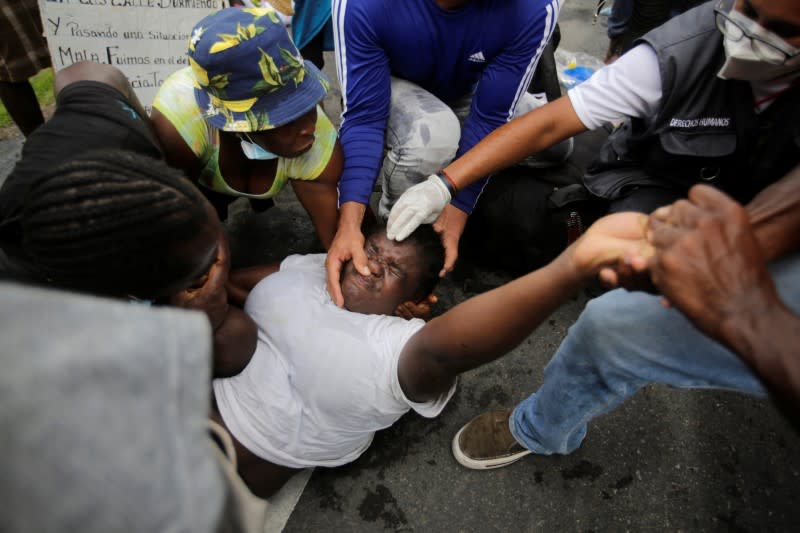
(706, 130)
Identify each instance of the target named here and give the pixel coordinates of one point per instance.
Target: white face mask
(742, 62)
(252, 150)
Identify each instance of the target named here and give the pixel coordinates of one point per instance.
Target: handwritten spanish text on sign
(145, 39)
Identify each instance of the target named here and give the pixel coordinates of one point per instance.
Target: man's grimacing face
(395, 278)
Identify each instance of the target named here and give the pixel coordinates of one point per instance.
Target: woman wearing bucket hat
(243, 119)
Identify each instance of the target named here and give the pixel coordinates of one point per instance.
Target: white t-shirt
(631, 87)
(322, 379)
(628, 87)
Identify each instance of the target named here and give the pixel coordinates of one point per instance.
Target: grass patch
(42, 86)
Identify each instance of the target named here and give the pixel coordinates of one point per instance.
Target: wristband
(448, 182)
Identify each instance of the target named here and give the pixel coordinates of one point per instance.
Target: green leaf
(269, 71)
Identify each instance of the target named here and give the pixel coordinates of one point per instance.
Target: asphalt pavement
(667, 460)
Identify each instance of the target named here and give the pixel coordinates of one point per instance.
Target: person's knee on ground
(431, 143)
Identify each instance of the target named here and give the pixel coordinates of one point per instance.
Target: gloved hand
(420, 204)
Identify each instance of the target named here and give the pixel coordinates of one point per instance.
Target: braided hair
(113, 223)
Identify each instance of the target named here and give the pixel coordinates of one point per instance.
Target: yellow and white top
(175, 100)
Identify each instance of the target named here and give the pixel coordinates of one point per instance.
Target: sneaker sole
(485, 464)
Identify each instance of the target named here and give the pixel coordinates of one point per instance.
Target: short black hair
(431, 254)
(111, 223)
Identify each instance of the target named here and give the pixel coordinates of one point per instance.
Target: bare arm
(320, 197)
(515, 140)
(508, 144)
(530, 133)
(768, 342)
(775, 216)
(234, 343)
(487, 326)
(177, 153)
(242, 280)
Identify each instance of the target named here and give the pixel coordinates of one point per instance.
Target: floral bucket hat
(248, 73)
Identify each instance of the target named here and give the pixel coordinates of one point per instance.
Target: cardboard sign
(145, 39)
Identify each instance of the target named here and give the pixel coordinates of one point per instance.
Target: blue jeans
(621, 342)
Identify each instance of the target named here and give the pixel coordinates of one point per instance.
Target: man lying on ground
(324, 379)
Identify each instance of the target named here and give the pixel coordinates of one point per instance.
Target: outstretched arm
(320, 197)
(512, 142)
(508, 144)
(489, 325)
(634, 81)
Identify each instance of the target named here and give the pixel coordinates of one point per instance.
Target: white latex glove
(420, 204)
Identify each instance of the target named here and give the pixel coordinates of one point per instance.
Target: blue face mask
(252, 150)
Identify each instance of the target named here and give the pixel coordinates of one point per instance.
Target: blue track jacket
(489, 47)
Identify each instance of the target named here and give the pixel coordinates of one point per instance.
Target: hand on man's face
(450, 225)
(347, 245)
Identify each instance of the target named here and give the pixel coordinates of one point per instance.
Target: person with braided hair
(123, 387)
(90, 206)
(243, 120)
(121, 224)
(118, 224)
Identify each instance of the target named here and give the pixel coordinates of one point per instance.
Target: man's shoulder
(389, 331)
(306, 270)
(301, 280)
